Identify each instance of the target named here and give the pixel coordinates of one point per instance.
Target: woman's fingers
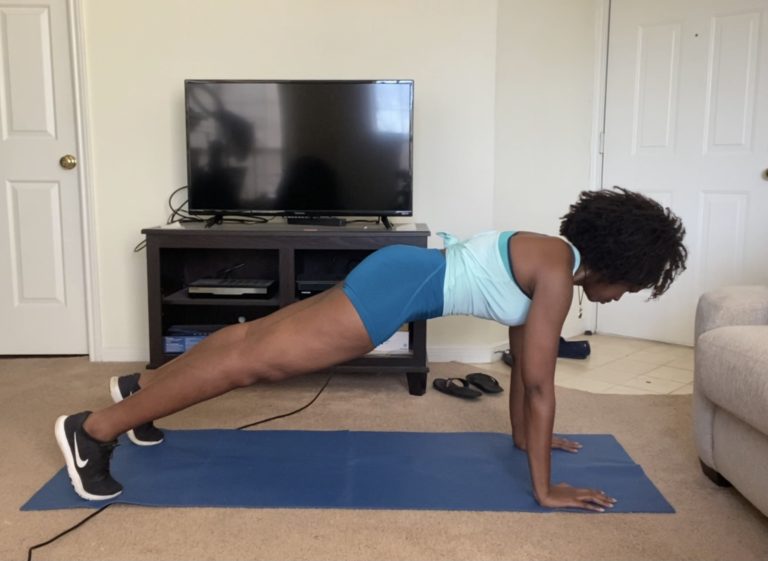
(565, 444)
(597, 498)
(591, 506)
(563, 495)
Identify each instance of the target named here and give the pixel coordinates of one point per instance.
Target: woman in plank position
(618, 241)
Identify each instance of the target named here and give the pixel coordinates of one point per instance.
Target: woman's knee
(250, 366)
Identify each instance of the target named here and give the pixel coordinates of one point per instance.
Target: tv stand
(317, 220)
(297, 261)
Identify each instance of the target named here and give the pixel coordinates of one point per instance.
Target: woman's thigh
(318, 334)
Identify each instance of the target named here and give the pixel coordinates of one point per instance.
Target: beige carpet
(710, 523)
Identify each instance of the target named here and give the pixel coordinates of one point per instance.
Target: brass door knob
(68, 161)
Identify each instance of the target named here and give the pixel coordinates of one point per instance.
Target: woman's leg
(305, 337)
(229, 335)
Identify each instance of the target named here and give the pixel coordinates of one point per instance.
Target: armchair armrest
(732, 305)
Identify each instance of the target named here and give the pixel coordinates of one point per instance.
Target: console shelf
(180, 254)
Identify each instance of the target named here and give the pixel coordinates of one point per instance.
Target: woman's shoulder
(536, 255)
(542, 242)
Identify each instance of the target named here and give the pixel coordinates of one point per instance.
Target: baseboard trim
(469, 354)
(123, 354)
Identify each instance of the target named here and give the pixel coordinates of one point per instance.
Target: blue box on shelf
(181, 344)
(181, 338)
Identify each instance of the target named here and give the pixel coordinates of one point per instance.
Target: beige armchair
(730, 389)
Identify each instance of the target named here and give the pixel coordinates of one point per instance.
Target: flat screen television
(300, 147)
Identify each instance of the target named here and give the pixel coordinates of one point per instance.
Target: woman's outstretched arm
(552, 293)
(517, 396)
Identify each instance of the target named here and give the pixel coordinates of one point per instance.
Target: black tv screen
(304, 147)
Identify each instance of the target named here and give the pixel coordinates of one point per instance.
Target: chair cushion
(731, 370)
(732, 305)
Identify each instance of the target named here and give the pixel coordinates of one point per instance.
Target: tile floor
(619, 365)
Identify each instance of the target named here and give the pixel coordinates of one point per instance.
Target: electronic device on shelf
(300, 148)
(310, 287)
(255, 288)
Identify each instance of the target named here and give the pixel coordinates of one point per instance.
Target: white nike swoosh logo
(78, 460)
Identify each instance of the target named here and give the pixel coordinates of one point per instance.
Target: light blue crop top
(479, 279)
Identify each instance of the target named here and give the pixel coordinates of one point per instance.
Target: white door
(687, 123)
(42, 289)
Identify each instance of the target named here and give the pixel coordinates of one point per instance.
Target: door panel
(687, 123)
(42, 288)
(37, 257)
(27, 92)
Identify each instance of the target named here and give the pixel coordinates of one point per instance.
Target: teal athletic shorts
(395, 285)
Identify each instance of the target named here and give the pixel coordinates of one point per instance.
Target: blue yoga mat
(343, 469)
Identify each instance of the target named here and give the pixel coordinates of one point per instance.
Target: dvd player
(230, 287)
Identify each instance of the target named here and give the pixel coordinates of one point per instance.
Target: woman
(618, 242)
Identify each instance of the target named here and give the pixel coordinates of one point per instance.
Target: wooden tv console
(182, 253)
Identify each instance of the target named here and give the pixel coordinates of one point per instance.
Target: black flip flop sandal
(487, 383)
(449, 386)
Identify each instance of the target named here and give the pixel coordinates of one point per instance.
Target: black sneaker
(122, 387)
(87, 459)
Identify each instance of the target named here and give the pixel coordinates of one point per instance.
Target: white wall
(140, 52)
(502, 123)
(545, 97)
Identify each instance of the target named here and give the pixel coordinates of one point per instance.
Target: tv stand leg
(417, 383)
(386, 222)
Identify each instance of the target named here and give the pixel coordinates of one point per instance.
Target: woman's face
(598, 290)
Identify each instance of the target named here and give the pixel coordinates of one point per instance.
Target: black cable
(65, 532)
(292, 412)
(102, 509)
(185, 216)
(180, 211)
(175, 210)
(181, 214)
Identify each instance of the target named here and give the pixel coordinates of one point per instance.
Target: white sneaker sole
(117, 397)
(74, 477)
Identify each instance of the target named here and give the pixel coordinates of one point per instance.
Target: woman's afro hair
(624, 236)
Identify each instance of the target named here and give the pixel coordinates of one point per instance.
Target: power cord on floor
(65, 532)
(105, 507)
(299, 410)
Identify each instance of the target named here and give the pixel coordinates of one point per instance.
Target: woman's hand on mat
(558, 442)
(563, 495)
(564, 444)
